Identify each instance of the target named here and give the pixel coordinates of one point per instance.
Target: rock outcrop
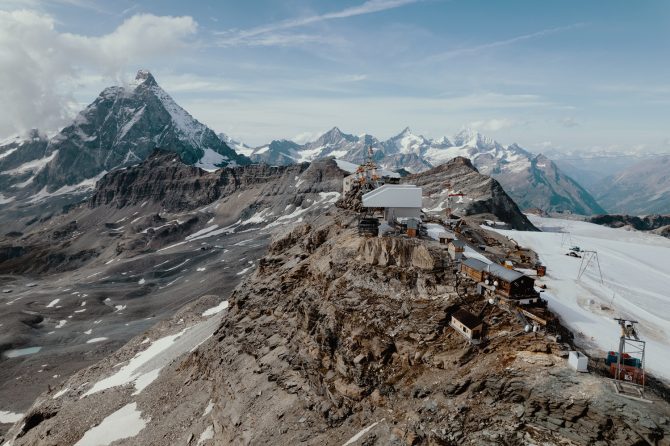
(659, 224)
(478, 194)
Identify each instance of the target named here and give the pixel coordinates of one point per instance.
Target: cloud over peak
(39, 62)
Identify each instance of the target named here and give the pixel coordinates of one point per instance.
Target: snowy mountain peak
(444, 141)
(467, 136)
(121, 127)
(236, 145)
(144, 77)
(333, 136)
(407, 142)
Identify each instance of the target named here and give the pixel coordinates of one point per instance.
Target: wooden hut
(456, 248)
(467, 324)
(508, 282)
(474, 269)
(444, 238)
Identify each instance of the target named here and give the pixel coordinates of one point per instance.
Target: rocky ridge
(337, 339)
(658, 224)
(481, 194)
(154, 237)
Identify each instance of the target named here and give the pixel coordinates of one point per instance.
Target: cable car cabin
(474, 269)
(510, 283)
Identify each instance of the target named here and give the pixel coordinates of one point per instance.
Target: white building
(400, 201)
(578, 361)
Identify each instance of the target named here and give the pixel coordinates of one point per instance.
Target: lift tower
(628, 365)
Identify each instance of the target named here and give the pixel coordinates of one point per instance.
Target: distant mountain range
(642, 188)
(124, 124)
(533, 181)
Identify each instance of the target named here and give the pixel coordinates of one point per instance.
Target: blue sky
(571, 75)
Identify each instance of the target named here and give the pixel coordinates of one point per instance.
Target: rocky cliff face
(543, 185)
(472, 193)
(122, 127)
(659, 224)
(337, 339)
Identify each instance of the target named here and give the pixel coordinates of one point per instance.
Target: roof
(506, 274)
(466, 318)
(393, 196)
(458, 243)
(474, 264)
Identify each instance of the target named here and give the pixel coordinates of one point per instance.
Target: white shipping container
(578, 361)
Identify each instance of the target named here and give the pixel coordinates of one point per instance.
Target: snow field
(636, 272)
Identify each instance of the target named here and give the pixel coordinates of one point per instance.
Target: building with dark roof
(506, 282)
(467, 324)
(474, 269)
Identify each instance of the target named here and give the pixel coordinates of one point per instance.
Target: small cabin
(467, 324)
(412, 225)
(456, 248)
(508, 282)
(474, 269)
(444, 238)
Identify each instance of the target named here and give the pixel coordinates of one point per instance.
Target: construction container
(411, 232)
(628, 360)
(578, 361)
(633, 375)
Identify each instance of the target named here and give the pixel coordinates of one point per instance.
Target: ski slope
(636, 284)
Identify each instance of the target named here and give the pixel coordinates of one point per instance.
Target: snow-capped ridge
(532, 181)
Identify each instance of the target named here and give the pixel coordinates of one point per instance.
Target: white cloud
(37, 61)
(285, 39)
(493, 125)
(270, 35)
(501, 43)
(568, 122)
(303, 137)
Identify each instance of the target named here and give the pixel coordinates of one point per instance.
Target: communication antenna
(590, 258)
